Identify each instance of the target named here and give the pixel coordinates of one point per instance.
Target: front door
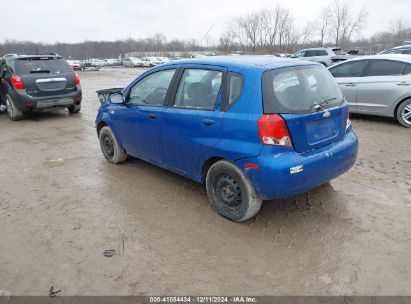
(348, 76)
(138, 122)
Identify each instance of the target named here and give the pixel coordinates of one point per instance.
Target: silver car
(325, 56)
(377, 85)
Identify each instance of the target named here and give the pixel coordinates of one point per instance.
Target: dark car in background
(402, 49)
(38, 83)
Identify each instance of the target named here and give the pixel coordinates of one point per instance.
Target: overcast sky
(79, 20)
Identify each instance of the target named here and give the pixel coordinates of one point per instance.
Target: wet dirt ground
(62, 204)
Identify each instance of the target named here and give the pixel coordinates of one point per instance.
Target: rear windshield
(300, 90)
(339, 52)
(42, 65)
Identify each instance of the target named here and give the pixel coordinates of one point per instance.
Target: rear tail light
(17, 82)
(273, 131)
(76, 78)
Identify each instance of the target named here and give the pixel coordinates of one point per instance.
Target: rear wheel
(111, 149)
(74, 109)
(12, 112)
(231, 193)
(404, 113)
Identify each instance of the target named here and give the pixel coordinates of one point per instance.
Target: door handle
(403, 84)
(152, 116)
(351, 84)
(208, 122)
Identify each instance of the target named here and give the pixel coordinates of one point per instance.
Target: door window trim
(144, 76)
(221, 95)
(225, 106)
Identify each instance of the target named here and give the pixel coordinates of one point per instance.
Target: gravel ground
(62, 205)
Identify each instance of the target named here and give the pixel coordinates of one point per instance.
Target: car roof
(322, 48)
(408, 46)
(259, 62)
(32, 56)
(398, 57)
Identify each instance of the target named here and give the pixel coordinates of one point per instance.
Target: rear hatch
(310, 102)
(45, 76)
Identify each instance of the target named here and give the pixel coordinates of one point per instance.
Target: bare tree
(399, 29)
(322, 24)
(344, 22)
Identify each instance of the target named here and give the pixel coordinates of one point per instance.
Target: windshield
(300, 90)
(42, 65)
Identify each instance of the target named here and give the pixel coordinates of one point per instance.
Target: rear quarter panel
(239, 136)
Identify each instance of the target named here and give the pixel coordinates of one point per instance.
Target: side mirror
(117, 98)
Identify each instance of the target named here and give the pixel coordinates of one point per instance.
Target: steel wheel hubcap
(406, 114)
(108, 145)
(228, 191)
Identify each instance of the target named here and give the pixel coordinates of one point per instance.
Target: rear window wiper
(39, 71)
(318, 106)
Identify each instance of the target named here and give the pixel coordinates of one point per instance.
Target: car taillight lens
(273, 131)
(17, 82)
(76, 78)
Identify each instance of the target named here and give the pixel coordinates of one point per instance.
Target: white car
(163, 59)
(151, 61)
(131, 62)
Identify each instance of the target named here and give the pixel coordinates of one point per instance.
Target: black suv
(38, 83)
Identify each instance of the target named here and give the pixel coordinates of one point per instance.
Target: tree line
(101, 49)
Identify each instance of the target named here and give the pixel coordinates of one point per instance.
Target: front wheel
(111, 149)
(404, 113)
(12, 112)
(231, 193)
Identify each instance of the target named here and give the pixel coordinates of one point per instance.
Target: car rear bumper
(25, 102)
(291, 173)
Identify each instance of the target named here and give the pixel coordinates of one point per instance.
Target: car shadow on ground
(51, 115)
(167, 195)
(375, 119)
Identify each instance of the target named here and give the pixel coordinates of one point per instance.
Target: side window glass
(198, 89)
(349, 69)
(385, 68)
(309, 53)
(235, 87)
(151, 90)
(407, 70)
(299, 54)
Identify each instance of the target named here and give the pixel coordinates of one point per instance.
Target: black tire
(74, 109)
(12, 112)
(111, 149)
(231, 193)
(404, 113)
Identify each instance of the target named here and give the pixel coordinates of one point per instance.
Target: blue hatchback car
(250, 128)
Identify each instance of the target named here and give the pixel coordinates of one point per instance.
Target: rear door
(383, 84)
(309, 100)
(45, 76)
(348, 76)
(192, 121)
